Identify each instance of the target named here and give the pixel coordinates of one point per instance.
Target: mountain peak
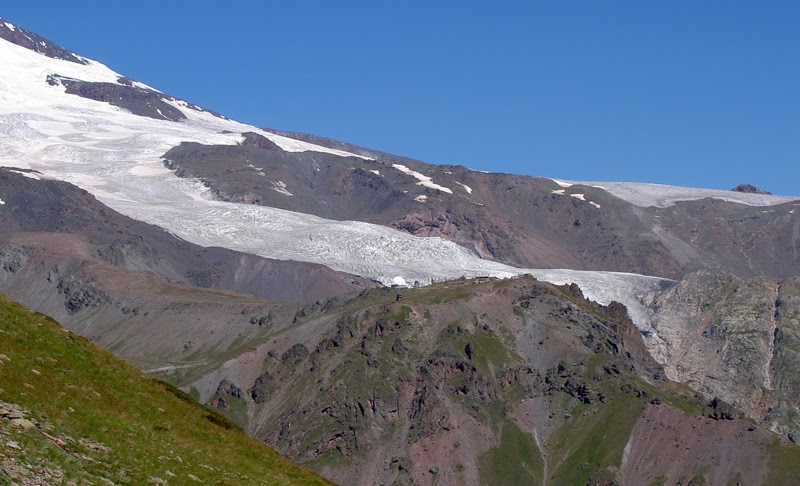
(750, 189)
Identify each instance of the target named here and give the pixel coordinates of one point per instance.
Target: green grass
(516, 460)
(83, 393)
(784, 464)
(591, 444)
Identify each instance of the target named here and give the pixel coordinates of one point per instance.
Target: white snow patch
(423, 179)
(559, 192)
(144, 86)
(399, 281)
(29, 175)
(466, 187)
(662, 196)
(10, 26)
(578, 196)
(376, 172)
(259, 170)
(594, 204)
(421, 198)
(2, 202)
(562, 183)
(280, 187)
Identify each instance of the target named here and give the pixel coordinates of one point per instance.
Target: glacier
(117, 156)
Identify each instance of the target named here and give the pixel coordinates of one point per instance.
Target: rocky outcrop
(36, 43)
(750, 189)
(138, 100)
(381, 390)
(734, 339)
(226, 391)
(79, 294)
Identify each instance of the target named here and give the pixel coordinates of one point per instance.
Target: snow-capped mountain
(73, 119)
(116, 154)
(244, 264)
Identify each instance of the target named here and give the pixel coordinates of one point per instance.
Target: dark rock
(748, 188)
(263, 388)
(225, 391)
(79, 295)
(618, 311)
(253, 139)
(576, 291)
(137, 100)
(260, 320)
(29, 40)
(398, 347)
(469, 349)
(295, 355)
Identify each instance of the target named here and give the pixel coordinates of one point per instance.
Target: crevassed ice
(116, 156)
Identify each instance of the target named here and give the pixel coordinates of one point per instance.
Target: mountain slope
(57, 210)
(73, 413)
(736, 339)
(523, 221)
(74, 134)
(500, 382)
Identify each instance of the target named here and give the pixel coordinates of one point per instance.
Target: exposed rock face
(225, 393)
(36, 43)
(139, 101)
(388, 391)
(524, 221)
(734, 339)
(79, 294)
(749, 189)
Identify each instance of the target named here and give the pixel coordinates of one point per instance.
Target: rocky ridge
(494, 382)
(523, 221)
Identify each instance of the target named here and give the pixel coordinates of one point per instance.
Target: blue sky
(702, 94)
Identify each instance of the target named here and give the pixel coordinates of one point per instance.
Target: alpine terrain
(377, 319)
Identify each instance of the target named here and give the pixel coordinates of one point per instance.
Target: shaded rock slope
(39, 214)
(524, 221)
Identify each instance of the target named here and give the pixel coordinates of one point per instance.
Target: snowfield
(659, 195)
(116, 156)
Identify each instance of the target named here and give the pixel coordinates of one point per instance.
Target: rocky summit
(374, 318)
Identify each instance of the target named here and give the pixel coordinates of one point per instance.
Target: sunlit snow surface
(659, 195)
(116, 156)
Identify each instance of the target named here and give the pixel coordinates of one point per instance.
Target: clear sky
(695, 93)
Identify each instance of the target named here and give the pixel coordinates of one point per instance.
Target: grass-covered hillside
(71, 413)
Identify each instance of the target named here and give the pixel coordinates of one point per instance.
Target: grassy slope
(81, 395)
